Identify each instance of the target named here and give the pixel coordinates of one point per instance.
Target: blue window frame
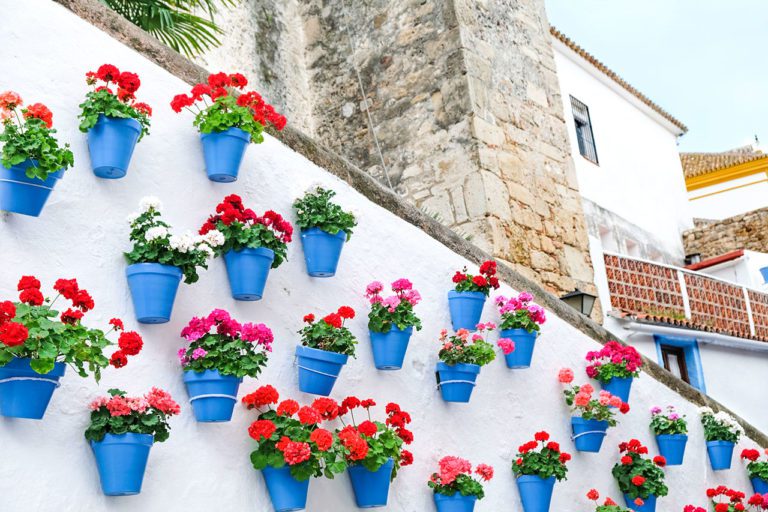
(685, 352)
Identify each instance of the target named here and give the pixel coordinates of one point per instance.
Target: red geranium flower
(405, 434)
(288, 408)
(118, 359)
(265, 395)
(480, 281)
(309, 416)
(261, 429)
(346, 312)
(322, 439)
(129, 82)
(68, 288)
(626, 460)
(237, 80)
(13, 334)
(660, 461)
(218, 80)
(334, 320)
(328, 408)
(143, 108)
(309, 318)
(638, 480)
(351, 402)
(28, 282)
(130, 343)
(7, 311)
(117, 324)
(39, 111)
(406, 458)
(593, 495)
(31, 296)
(107, 73)
(181, 101)
(71, 316)
(83, 300)
(296, 453)
(368, 428)
(541, 436)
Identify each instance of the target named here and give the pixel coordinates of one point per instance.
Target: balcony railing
(682, 297)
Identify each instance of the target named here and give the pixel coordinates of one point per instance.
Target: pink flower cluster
(451, 467)
(227, 326)
(613, 353)
(126, 405)
(404, 292)
(584, 396)
(523, 302)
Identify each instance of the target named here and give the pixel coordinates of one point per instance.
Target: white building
(707, 323)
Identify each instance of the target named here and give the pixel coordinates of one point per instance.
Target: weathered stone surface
(713, 238)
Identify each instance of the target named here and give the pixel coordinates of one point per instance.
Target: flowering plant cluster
(608, 505)
(465, 347)
(613, 360)
(730, 500)
(315, 210)
(329, 333)
(541, 457)
(154, 243)
(121, 414)
(240, 228)
(219, 342)
(455, 476)
(483, 282)
(520, 313)
(120, 104)
(580, 399)
(291, 434)
(638, 476)
(755, 467)
(30, 329)
(218, 109)
(667, 423)
(720, 426)
(372, 443)
(395, 310)
(693, 508)
(29, 136)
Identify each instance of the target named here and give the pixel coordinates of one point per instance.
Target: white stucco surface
(730, 198)
(639, 176)
(47, 465)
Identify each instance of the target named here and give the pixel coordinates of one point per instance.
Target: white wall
(744, 270)
(730, 198)
(47, 465)
(639, 176)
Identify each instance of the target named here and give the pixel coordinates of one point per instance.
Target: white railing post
(748, 303)
(684, 293)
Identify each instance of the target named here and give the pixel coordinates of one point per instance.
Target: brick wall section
(713, 238)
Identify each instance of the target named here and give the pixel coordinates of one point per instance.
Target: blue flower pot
(524, 343)
(213, 395)
(153, 289)
(24, 393)
(649, 504)
(318, 369)
(466, 309)
(389, 347)
(618, 386)
(322, 251)
(759, 485)
(455, 503)
(111, 142)
(121, 460)
(720, 454)
(248, 270)
(535, 492)
(20, 194)
(672, 447)
(371, 488)
(456, 382)
(588, 435)
(286, 492)
(223, 152)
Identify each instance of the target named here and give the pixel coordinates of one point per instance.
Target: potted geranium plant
(251, 245)
(725, 499)
(391, 322)
(37, 343)
(721, 432)
(591, 416)
(639, 478)
(227, 122)
(461, 357)
(220, 353)
(159, 259)
(521, 321)
(325, 226)
(757, 469)
(325, 346)
(373, 450)
(614, 366)
(454, 487)
(467, 299)
(121, 433)
(608, 505)
(32, 160)
(292, 447)
(113, 119)
(671, 431)
(693, 508)
(536, 467)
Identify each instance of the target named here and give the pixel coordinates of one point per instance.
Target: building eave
(727, 174)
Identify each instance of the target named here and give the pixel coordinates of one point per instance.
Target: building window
(680, 356)
(584, 135)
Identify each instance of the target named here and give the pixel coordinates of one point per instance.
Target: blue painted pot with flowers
(721, 432)
(640, 478)
(537, 465)
(521, 321)
(671, 431)
(391, 322)
(757, 469)
(457, 486)
(467, 299)
(221, 352)
(325, 228)
(461, 357)
(614, 366)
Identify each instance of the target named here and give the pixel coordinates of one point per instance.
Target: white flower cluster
(723, 419)
(150, 202)
(189, 242)
(214, 238)
(156, 233)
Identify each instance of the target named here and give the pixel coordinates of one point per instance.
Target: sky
(703, 61)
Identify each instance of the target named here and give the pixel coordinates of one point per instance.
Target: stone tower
(462, 97)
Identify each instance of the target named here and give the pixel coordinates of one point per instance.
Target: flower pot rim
(321, 355)
(23, 364)
(455, 496)
(208, 375)
(518, 331)
(579, 419)
(453, 294)
(720, 443)
(534, 478)
(29, 162)
(127, 438)
(232, 131)
(671, 436)
(394, 328)
(131, 122)
(259, 251)
(359, 467)
(459, 367)
(314, 230)
(152, 268)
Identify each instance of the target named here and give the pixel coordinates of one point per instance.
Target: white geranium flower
(183, 243)
(206, 249)
(214, 238)
(150, 202)
(132, 217)
(155, 233)
(706, 410)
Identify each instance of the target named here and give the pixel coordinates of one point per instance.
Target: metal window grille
(584, 134)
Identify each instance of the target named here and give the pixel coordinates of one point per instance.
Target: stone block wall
(715, 237)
